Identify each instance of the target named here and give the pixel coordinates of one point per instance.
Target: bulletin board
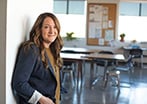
(101, 23)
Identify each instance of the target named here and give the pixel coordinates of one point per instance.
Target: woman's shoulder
(29, 46)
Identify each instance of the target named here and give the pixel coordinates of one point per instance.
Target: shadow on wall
(26, 26)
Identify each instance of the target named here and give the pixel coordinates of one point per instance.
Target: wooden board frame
(101, 17)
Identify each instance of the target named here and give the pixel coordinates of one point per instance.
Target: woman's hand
(45, 100)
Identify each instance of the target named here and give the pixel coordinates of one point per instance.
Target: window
(72, 16)
(69, 6)
(132, 20)
(60, 6)
(133, 9)
(144, 9)
(129, 9)
(76, 7)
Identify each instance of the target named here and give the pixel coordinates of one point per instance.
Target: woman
(36, 78)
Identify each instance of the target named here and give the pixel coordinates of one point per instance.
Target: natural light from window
(135, 27)
(129, 21)
(73, 23)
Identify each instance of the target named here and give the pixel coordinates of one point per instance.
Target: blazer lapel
(50, 66)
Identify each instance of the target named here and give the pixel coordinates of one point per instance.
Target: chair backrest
(105, 52)
(102, 62)
(136, 52)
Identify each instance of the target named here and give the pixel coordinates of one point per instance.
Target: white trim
(35, 97)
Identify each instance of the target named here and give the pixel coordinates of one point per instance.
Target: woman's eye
(45, 27)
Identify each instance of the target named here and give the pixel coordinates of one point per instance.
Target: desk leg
(91, 74)
(105, 77)
(79, 77)
(106, 73)
(142, 62)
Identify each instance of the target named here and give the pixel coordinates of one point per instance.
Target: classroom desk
(127, 51)
(80, 60)
(105, 58)
(78, 50)
(129, 48)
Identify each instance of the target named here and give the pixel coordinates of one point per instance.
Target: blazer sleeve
(23, 69)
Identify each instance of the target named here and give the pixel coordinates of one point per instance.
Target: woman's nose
(51, 30)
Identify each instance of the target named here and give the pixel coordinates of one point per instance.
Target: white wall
(21, 15)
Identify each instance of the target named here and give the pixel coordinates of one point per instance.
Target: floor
(129, 93)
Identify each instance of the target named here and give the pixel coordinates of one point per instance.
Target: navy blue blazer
(30, 75)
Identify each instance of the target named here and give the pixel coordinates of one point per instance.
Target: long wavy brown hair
(36, 38)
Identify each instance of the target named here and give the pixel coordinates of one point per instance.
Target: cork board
(101, 23)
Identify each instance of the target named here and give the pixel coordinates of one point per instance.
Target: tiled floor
(128, 94)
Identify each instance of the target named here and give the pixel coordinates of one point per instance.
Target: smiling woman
(36, 78)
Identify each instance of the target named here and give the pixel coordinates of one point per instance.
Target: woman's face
(49, 31)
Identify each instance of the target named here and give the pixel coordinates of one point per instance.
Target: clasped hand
(45, 100)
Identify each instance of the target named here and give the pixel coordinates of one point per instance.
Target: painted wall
(17, 17)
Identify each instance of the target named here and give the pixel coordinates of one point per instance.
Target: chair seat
(122, 68)
(137, 53)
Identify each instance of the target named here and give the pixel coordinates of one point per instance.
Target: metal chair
(137, 53)
(69, 67)
(126, 66)
(101, 63)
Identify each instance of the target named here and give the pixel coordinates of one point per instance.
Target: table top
(106, 56)
(129, 48)
(73, 56)
(78, 50)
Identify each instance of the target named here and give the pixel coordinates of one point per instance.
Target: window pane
(133, 26)
(60, 6)
(72, 23)
(129, 9)
(144, 9)
(76, 7)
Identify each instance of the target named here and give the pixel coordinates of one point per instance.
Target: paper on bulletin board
(95, 13)
(95, 30)
(105, 10)
(105, 25)
(109, 35)
(101, 41)
(105, 18)
(91, 17)
(110, 24)
(98, 12)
